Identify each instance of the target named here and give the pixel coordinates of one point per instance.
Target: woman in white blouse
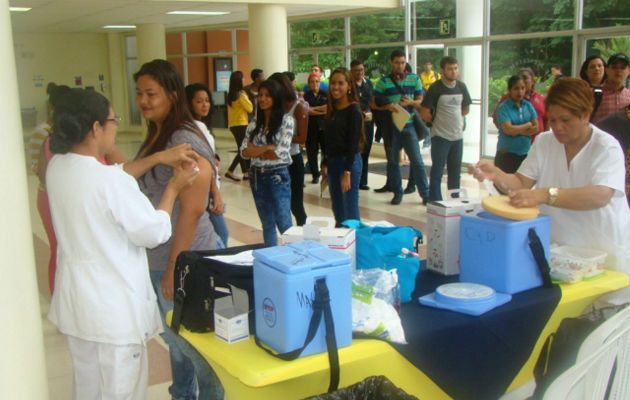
(104, 302)
(576, 173)
(267, 145)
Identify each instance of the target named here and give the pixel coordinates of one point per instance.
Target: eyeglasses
(115, 120)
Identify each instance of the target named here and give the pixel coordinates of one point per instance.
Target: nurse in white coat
(576, 173)
(104, 302)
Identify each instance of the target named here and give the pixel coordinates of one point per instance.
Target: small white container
(573, 262)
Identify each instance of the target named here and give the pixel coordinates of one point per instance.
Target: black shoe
(384, 189)
(409, 189)
(364, 187)
(396, 199)
(315, 179)
(425, 200)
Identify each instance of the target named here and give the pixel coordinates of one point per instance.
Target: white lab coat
(103, 224)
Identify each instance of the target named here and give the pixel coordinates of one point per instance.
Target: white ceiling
(68, 16)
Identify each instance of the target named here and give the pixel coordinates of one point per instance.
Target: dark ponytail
(75, 114)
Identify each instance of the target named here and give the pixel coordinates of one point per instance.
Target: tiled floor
(244, 227)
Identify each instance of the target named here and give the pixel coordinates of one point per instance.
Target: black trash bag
(371, 388)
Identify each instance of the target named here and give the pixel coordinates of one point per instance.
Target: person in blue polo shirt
(517, 122)
(403, 88)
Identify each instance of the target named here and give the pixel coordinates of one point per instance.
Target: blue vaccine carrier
(284, 278)
(494, 251)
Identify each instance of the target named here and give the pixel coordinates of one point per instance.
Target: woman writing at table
(575, 172)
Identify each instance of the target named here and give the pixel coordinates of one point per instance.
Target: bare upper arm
(194, 198)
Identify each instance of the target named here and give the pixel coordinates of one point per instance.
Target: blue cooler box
(284, 277)
(494, 251)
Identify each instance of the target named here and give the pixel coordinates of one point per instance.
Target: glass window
(391, 28)
(320, 33)
(330, 61)
(598, 13)
(301, 62)
(131, 64)
(375, 61)
(433, 19)
(509, 16)
(508, 56)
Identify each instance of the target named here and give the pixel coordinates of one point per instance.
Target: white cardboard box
(341, 239)
(443, 218)
(231, 323)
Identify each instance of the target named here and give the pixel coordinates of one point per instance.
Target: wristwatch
(553, 195)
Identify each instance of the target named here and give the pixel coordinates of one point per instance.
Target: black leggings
(296, 172)
(314, 141)
(239, 135)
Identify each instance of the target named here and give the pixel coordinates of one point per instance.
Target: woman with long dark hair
(103, 302)
(161, 98)
(238, 108)
(296, 109)
(198, 96)
(267, 146)
(344, 140)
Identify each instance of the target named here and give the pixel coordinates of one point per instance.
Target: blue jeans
(186, 362)
(345, 205)
(218, 222)
(408, 140)
(272, 194)
(449, 153)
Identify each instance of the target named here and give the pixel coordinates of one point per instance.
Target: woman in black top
(318, 100)
(344, 139)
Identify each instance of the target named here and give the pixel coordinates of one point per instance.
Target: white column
(470, 24)
(268, 46)
(117, 75)
(22, 363)
(151, 42)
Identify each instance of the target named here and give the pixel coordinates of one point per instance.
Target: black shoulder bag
(199, 281)
(321, 305)
(418, 124)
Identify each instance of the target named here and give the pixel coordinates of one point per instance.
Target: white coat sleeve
(134, 213)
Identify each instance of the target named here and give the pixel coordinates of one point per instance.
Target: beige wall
(59, 58)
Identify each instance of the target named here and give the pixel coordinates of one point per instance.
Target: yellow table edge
(243, 363)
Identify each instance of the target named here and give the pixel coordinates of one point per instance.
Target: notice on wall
(223, 80)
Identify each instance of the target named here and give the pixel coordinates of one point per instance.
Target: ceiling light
(19, 9)
(198, 12)
(119, 27)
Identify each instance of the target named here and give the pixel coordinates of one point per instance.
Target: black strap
(321, 304)
(598, 93)
(539, 255)
(178, 305)
(400, 89)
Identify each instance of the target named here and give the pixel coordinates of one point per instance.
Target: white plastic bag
(375, 296)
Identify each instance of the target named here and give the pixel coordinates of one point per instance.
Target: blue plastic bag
(380, 247)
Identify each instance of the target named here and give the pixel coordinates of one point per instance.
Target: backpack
(560, 350)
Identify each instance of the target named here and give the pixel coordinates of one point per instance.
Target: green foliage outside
(506, 57)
